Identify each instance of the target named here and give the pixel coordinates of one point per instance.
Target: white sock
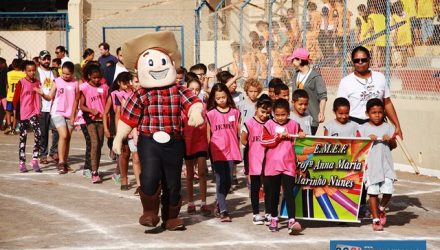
(381, 208)
(376, 220)
(202, 203)
(191, 203)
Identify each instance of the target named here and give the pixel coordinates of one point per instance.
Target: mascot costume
(155, 110)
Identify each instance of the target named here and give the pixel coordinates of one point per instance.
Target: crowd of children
(264, 125)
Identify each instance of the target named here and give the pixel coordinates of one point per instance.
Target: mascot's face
(155, 69)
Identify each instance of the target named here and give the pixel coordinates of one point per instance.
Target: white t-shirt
(358, 91)
(47, 81)
(65, 59)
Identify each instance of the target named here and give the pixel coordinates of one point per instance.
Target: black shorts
(196, 155)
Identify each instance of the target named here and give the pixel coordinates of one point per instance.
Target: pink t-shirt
(281, 159)
(29, 99)
(95, 98)
(64, 97)
(224, 135)
(196, 139)
(256, 150)
(113, 95)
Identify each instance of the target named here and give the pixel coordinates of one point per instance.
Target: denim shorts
(61, 121)
(384, 187)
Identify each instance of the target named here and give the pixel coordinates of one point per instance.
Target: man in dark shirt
(106, 57)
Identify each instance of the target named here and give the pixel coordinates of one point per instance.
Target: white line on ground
(63, 213)
(90, 188)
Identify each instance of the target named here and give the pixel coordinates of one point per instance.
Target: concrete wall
(137, 13)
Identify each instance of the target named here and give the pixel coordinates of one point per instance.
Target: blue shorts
(9, 106)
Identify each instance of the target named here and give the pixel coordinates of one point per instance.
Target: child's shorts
(385, 187)
(133, 148)
(61, 121)
(196, 155)
(9, 106)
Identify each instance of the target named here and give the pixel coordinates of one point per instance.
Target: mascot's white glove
(122, 131)
(195, 117)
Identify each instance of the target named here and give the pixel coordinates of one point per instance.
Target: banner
(329, 178)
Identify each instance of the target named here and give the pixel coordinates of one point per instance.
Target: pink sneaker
(22, 167)
(96, 178)
(273, 226)
(377, 226)
(36, 166)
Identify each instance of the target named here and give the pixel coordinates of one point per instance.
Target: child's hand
(385, 138)
(373, 137)
(94, 112)
(107, 133)
(135, 138)
(38, 90)
(302, 134)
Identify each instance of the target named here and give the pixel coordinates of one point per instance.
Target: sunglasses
(361, 60)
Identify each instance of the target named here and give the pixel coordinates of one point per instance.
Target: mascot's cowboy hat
(164, 40)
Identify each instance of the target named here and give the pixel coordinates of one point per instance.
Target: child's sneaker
(273, 226)
(224, 217)
(96, 178)
(87, 173)
(117, 179)
(294, 227)
(136, 192)
(8, 130)
(382, 217)
(258, 219)
(267, 218)
(35, 166)
(191, 209)
(205, 210)
(22, 167)
(377, 226)
(235, 180)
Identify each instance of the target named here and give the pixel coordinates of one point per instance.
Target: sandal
(62, 168)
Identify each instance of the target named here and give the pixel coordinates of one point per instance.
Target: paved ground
(50, 211)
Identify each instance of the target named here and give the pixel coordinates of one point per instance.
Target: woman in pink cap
(304, 77)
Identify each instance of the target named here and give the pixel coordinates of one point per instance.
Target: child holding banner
(280, 163)
(251, 137)
(341, 126)
(300, 100)
(379, 172)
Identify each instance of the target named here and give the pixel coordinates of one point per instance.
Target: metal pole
(219, 5)
(67, 31)
(182, 44)
(387, 48)
(241, 32)
(197, 30)
(103, 34)
(344, 47)
(304, 21)
(270, 44)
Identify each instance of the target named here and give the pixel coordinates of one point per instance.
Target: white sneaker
(258, 219)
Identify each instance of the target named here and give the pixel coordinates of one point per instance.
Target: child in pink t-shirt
(196, 152)
(279, 167)
(223, 127)
(251, 137)
(119, 93)
(26, 92)
(65, 94)
(92, 102)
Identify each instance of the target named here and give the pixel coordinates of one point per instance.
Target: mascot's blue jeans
(161, 164)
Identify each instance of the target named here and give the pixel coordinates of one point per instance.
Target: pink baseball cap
(300, 53)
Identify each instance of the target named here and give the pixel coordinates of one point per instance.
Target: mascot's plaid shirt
(158, 109)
